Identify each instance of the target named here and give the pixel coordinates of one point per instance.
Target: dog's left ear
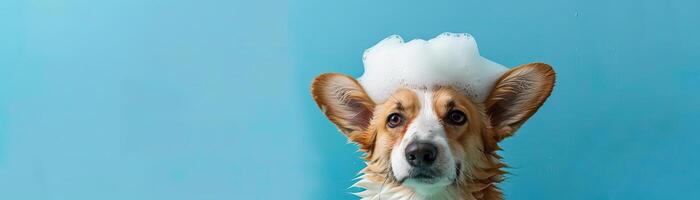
(517, 95)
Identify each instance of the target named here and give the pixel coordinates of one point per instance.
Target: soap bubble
(449, 59)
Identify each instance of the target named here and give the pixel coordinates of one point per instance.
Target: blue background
(209, 99)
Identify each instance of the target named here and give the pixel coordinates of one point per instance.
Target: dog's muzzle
(421, 154)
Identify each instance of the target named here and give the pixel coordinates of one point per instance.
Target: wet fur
(517, 95)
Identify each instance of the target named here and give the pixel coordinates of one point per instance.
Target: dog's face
(430, 138)
(422, 133)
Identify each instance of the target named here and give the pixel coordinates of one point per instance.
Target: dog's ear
(345, 103)
(517, 95)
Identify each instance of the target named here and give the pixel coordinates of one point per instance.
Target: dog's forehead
(407, 99)
(424, 96)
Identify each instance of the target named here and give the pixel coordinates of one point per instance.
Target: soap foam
(449, 59)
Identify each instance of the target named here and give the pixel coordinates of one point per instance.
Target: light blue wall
(209, 99)
(149, 100)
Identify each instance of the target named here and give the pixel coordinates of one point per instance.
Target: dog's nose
(421, 154)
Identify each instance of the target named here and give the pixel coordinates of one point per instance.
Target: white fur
(379, 191)
(425, 127)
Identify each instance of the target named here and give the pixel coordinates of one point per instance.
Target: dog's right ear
(345, 103)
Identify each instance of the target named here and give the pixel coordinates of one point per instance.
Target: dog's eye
(456, 117)
(394, 120)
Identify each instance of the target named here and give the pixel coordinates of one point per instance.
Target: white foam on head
(448, 59)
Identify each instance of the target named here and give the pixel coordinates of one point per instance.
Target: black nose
(421, 154)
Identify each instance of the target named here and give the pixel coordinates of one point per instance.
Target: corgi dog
(433, 142)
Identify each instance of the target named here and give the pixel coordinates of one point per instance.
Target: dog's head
(429, 138)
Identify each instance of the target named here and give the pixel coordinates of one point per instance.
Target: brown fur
(517, 96)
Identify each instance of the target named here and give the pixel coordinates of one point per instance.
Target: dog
(433, 143)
